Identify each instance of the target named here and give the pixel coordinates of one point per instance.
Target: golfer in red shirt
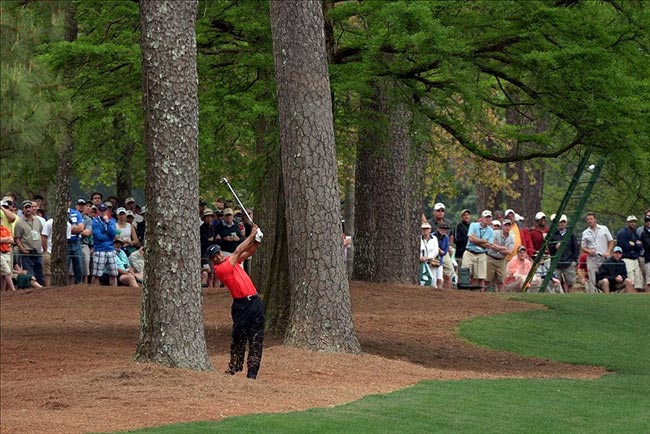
(247, 307)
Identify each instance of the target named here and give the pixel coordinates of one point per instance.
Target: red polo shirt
(235, 279)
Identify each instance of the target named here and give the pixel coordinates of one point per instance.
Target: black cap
(81, 201)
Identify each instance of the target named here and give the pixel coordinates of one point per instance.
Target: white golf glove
(259, 235)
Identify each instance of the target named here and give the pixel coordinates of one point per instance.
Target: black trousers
(248, 327)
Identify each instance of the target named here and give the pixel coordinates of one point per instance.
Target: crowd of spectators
(497, 253)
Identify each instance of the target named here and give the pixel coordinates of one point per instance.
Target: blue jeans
(33, 264)
(75, 256)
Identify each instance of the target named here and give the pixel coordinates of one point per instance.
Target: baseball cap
(464, 211)
(438, 206)
(540, 215)
(507, 222)
(130, 213)
(81, 201)
(496, 223)
(521, 247)
(519, 218)
(563, 218)
(631, 218)
(486, 213)
(108, 205)
(102, 207)
(443, 225)
(509, 211)
(227, 211)
(425, 225)
(26, 202)
(129, 200)
(143, 210)
(121, 210)
(207, 212)
(617, 249)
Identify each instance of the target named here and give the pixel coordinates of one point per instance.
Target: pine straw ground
(66, 359)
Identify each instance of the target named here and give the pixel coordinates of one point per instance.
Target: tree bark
(321, 312)
(528, 176)
(172, 331)
(59, 257)
(388, 191)
(270, 268)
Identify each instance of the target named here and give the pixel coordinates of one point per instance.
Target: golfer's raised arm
(246, 248)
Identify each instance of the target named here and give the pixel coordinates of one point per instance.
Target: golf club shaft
(237, 199)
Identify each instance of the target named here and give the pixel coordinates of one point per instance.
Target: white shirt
(47, 231)
(597, 238)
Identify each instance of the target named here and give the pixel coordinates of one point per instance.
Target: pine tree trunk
(527, 176)
(321, 312)
(388, 189)
(172, 330)
(270, 268)
(59, 258)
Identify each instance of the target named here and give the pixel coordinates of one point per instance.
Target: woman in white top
(126, 232)
(428, 250)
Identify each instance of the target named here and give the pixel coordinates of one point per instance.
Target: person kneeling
(612, 274)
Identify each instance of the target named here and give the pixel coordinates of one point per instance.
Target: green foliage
(30, 100)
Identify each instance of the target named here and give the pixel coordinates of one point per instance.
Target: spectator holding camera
(8, 216)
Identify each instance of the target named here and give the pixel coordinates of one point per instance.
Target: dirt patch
(66, 365)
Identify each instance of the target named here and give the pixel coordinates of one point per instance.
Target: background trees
(480, 104)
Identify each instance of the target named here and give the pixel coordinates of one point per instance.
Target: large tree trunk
(321, 311)
(388, 192)
(59, 258)
(172, 330)
(270, 268)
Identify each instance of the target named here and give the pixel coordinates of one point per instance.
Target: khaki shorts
(568, 274)
(447, 266)
(496, 269)
(5, 264)
(477, 264)
(47, 264)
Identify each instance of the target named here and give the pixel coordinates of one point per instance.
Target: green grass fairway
(605, 330)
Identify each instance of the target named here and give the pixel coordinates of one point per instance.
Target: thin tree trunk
(172, 331)
(59, 258)
(124, 148)
(321, 311)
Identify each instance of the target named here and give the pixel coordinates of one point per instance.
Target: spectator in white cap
(630, 242)
(428, 257)
(126, 232)
(480, 239)
(502, 246)
(597, 242)
(538, 233)
(130, 205)
(519, 232)
(447, 264)
(566, 265)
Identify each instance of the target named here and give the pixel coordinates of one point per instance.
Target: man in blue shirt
(75, 254)
(480, 238)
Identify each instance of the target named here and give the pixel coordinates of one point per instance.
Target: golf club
(225, 180)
